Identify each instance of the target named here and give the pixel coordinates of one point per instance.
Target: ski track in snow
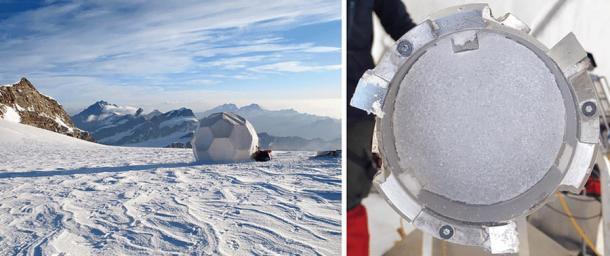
(87, 199)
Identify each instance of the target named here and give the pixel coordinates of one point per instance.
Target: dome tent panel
(242, 153)
(222, 128)
(224, 137)
(205, 138)
(221, 150)
(254, 144)
(241, 137)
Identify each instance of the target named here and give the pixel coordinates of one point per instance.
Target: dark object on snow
(262, 155)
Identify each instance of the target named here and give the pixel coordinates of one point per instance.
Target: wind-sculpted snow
(63, 195)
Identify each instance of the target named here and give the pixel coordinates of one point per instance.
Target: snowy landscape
(66, 196)
(104, 132)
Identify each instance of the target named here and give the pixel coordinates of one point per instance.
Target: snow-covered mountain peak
(23, 81)
(182, 114)
(124, 125)
(152, 114)
(97, 108)
(101, 111)
(251, 107)
(229, 107)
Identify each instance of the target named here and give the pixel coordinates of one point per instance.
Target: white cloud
(320, 49)
(151, 39)
(203, 81)
(77, 92)
(237, 62)
(138, 52)
(294, 66)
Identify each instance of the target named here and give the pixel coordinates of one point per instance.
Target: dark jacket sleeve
(394, 17)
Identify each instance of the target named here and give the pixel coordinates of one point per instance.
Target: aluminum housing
(478, 123)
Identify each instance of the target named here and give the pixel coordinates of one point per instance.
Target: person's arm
(394, 17)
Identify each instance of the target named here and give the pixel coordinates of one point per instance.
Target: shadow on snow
(90, 170)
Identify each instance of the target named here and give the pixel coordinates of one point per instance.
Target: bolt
(446, 232)
(589, 108)
(405, 48)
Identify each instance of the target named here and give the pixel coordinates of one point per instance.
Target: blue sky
(170, 54)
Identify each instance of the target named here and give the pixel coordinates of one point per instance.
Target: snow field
(60, 195)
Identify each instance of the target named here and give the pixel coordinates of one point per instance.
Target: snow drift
(62, 195)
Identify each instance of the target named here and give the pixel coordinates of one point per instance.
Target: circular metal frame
(480, 213)
(489, 226)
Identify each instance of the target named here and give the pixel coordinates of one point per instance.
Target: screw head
(445, 232)
(405, 48)
(589, 108)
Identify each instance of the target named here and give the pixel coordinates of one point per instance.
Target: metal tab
(503, 238)
(401, 200)
(469, 16)
(370, 93)
(580, 168)
(512, 21)
(416, 38)
(567, 53)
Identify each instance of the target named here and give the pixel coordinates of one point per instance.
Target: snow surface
(61, 123)
(60, 195)
(10, 114)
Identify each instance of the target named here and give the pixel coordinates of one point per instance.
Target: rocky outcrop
(21, 102)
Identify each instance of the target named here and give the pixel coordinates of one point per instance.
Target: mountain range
(295, 143)
(278, 129)
(128, 126)
(284, 123)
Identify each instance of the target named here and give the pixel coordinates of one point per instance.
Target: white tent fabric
(587, 19)
(224, 137)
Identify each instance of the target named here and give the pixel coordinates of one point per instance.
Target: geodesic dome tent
(224, 137)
